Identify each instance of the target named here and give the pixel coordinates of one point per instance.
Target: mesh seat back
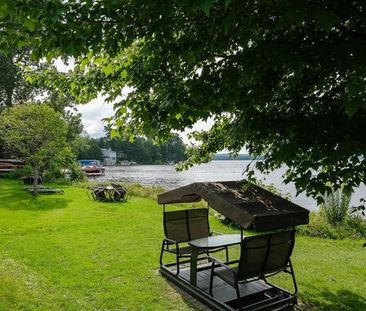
(186, 225)
(264, 254)
(175, 226)
(198, 223)
(280, 250)
(253, 256)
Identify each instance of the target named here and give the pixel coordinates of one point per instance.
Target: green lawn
(65, 252)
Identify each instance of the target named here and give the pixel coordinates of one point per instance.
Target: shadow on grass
(189, 300)
(18, 199)
(320, 300)
(337, 300)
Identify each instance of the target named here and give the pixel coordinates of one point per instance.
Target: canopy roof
(250, 206)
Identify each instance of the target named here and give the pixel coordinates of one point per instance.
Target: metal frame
(281, 299)
(165, 247)
(289, 269)
(213, 303)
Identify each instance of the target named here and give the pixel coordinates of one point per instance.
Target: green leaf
(115, 134)
(108, 69)
(227, 3)
(29, 79)
(206, 6)
(124, 74)
(30, 24)
(351, 107)
(228, 22)
(3, 9)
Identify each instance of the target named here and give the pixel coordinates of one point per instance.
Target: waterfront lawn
(65, 252)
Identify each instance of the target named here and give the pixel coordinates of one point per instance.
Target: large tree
(37, 134)
(285, 79)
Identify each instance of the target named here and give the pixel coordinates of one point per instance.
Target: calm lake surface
(166, 176)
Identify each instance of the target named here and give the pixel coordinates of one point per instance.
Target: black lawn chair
(100, 194)
(183, 226)
(261, 256)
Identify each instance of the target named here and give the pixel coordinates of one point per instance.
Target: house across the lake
(109, 157)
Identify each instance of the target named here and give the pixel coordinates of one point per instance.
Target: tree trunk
(35, 180)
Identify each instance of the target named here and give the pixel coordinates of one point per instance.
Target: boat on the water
(10, 165)
(92, 168)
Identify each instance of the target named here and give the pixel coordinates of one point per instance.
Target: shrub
(139, 190)
(353, 227)
(16, 174)
(336, 206)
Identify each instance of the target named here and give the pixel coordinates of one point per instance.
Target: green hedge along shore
(66, 252)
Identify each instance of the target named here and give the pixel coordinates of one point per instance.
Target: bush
(336, 206)
(17, 174)
(64, 173)
(139, 190)
(353, 227)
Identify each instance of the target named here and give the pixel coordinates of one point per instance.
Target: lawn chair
(261, 257)
(100, 194)
(183, 226)
(120, 193)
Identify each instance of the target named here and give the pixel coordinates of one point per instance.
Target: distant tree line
(141, 150)
(241, 156)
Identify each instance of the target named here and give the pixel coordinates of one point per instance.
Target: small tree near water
(36, 134)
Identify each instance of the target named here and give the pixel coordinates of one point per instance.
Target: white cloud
(92, 115)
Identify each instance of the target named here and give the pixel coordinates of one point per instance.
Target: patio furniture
(250, 207)
(113, 193)
(181, 227)
(261, 256)
(207, 244)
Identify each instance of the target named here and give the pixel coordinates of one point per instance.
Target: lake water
(166, 176)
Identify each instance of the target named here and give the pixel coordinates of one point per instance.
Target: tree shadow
(337, 300)
(19, 199)
(319, 300)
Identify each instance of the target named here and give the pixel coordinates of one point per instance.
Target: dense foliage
(36, 134)
(285, 79)
(352, 227)
(12, 84)
(18, 87)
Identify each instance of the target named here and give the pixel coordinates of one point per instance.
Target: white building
(109, 157)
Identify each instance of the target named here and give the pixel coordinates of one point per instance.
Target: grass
(65, 252)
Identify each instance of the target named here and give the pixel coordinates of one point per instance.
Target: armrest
(221, 264)
(169, 242)
(215, 233)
